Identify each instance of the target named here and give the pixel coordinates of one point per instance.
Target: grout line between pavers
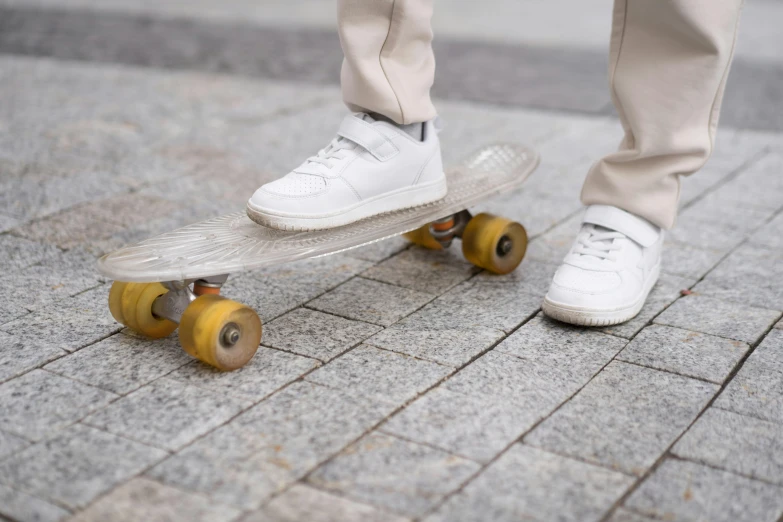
(667, 451)
(674, 456)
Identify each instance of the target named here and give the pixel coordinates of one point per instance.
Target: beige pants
(668, 64)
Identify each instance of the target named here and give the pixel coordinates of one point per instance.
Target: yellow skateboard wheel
(136, 309)
(494, 243)
(115, 301)
(422, 237)
(220, 332)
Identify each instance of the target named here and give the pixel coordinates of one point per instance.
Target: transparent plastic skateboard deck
(234, 243)
(172, 281)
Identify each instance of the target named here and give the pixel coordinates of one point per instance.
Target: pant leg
(389, 65)
(668, 64)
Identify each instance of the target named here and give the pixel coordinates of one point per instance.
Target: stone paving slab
(757, 389)
(479, 303)
(371, 301)
(529, 484)
(167, 414)
(430, 271)
(380, 374)
(39, 403)
(716, 317)
(77, 465)
(17, 253)
(302, 502)
(316, 334)
(10, 444)
(271, 445)
(687, 353)
(443, 344)
(74, 324)
(122, 363)
(401, 476)
(625, 418)
(145, 499)
(478, 427)
(680, 490)
(268, 371)
(18, 357)
(750, 275)
(737, 443)
(20, 506)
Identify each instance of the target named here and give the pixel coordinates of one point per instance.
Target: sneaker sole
(582, 316)
(408, 197)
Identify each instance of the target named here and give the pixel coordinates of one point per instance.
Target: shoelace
(332, 151)
(598, 244)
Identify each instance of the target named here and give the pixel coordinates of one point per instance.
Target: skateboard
(173, 280)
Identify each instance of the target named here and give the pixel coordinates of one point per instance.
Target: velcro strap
(367, 137)
(636, 228)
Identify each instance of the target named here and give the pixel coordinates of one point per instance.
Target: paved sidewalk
(394, 383)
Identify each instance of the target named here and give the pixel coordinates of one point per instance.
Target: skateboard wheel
(115, 301)
(220, 332)
(494, 243)
(422, 237)
(136, 309)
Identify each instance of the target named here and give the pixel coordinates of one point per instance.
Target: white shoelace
(598, 243)
(332, 151)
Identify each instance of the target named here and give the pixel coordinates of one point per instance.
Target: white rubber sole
(406, 197)
(583, 316)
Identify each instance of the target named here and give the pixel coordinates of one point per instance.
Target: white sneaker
(612, 266)
(371, 167)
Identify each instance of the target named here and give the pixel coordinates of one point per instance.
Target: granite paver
(167, 414)
(687, 353)
(401, 476)
(39, 403)
(271, 445)
(751, 275)
(20, 506)
(527, 483)
(371, 301)
(302, 502)
(77, 465)
(476, 426)
(10, 444)
(380, 374)
(316, 334)
(73, 324)
(478, 303)
(625, 418)
(122, 363)
(717, 317)
(268, 371)
(757, 389)
(17, 357)
(681, 490)
(430, 271)
(737, 443)
(145, 499)
(17, 253)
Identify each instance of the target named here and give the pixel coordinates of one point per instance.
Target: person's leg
(668, 65)
(386, 155)
(389, 65)
(669, 61)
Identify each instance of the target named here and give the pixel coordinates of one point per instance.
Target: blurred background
(548, 54)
